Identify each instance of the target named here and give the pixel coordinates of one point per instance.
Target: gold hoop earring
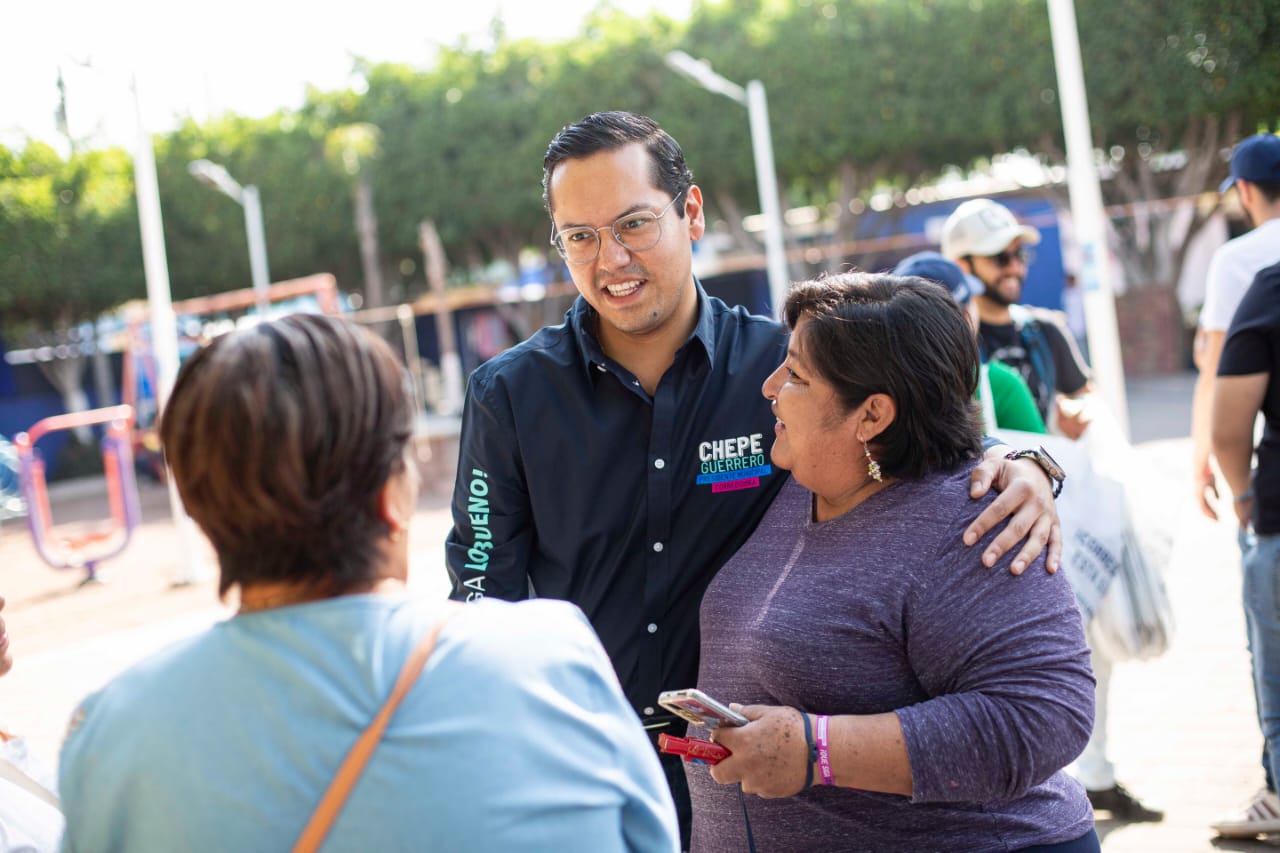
(873, 467)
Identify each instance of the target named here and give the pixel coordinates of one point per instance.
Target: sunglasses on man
(1022, 255)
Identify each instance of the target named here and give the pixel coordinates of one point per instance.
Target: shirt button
(659, 464)
(648, 712)
(657, 546)
(653, 629)
(601, 368)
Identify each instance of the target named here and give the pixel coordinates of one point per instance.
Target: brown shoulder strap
(353, 765)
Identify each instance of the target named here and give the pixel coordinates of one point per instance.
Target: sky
(250, 57)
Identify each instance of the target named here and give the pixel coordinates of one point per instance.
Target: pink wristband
(824, 752)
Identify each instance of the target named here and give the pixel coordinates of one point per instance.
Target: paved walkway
(1183, 731)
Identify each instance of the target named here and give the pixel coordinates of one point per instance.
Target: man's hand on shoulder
(1025, 501)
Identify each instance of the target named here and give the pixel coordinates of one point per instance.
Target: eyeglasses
(635, 232)
(1022, 255)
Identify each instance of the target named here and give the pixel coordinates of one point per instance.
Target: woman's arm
(1236, 403)
(770, 753)
(1006, 663)
(1004, 658)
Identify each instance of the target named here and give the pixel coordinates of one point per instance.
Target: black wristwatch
(1047, 463)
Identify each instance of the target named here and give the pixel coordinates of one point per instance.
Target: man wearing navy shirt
(1248, 383)
(619, 459)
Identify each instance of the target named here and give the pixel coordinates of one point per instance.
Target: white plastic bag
(30, 819)
(1135, 620)
(1113, 565)
(1093, 515)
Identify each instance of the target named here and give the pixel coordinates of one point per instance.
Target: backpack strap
(1038, 351)
(353, 765)
(987, 399)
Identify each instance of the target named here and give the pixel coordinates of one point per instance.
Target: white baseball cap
(983, 227)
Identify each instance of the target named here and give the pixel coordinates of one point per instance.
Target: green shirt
(1014, 406)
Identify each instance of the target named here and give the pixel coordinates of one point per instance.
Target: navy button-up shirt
(574, 483)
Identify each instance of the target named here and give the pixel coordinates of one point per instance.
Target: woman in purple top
(901, 695)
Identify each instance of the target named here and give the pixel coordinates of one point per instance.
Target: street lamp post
(753, 98)
(213, 175)
(164, 325)
(1087, 212)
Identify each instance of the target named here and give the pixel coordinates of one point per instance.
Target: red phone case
(692, 749)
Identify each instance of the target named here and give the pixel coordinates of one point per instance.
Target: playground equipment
(198, 319)
(11, 503)
(85, 550)
(130, 434)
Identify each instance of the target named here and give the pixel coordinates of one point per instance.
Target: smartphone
(700, 709)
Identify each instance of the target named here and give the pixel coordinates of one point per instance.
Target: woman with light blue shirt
(289, 444)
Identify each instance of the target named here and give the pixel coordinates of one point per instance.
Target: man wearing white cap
(987, 241)
(1255, 173)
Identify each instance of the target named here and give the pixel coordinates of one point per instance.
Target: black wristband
(812, 754)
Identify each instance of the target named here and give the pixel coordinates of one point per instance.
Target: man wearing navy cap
(1255, 173)
(1241, 359)
(1006, 400)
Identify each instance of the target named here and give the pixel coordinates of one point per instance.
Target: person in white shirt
(1255, 174)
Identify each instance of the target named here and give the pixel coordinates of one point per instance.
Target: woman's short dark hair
(905, 337)
(280, 438)
(609, 131)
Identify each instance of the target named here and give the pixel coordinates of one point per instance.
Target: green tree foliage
(1170, 86)
(306, 204)
(69, 239)
(467, 139)
(464, 139)
(864, 95)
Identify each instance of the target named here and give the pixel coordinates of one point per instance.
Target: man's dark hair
(609, 131)
(1270, 190)
(905, 337)
(280, 439)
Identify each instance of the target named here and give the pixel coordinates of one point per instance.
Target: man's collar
(583, 318)
(705, 330)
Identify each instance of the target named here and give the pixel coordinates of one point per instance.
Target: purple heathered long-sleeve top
(885, 609)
